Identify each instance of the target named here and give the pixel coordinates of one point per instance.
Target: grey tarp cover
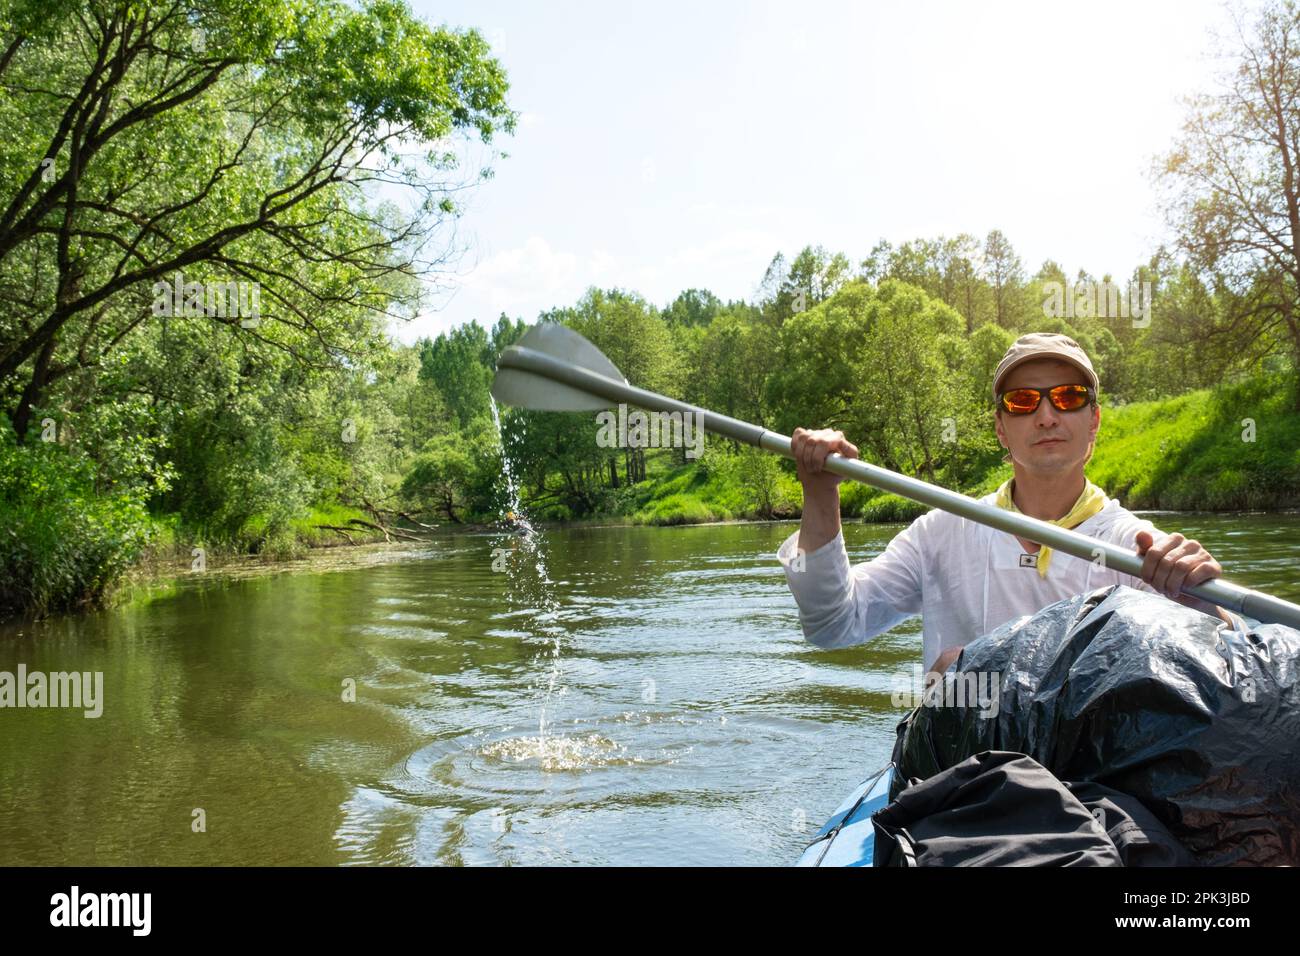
(1129, 690)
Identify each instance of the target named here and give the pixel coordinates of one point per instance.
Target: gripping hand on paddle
(811, 449)
(821, 496)
(1174, 562)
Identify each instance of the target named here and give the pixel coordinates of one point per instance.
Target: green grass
(171, 544)
(1191, 453)
(306, 534)
(720, 487)
(680, 509)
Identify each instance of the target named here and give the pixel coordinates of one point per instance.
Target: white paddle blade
(512, 386)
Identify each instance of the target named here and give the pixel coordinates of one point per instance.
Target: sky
(676, 145)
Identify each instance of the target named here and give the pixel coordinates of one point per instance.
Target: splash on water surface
(560, 752)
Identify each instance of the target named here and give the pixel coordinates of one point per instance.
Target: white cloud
(529, 278)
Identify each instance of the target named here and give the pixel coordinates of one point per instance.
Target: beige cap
(1044, 345)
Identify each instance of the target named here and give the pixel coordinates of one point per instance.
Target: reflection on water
(685, 721)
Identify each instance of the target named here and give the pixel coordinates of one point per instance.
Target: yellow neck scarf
(1090, 502)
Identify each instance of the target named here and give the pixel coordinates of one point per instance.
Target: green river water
(623, 696)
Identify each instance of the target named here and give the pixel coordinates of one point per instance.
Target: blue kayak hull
(848, 838)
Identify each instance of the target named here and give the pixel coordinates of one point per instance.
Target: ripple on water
(408, 633)
(378, 829)
(492, 764)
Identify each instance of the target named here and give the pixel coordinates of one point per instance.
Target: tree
(441, 476)
(760, 474)
(817, 374)
(790, 288)
(987, 345)
(1234, 186)
(947, 269)
(907, 390)
(457, 363)
(963, 289)
(504, 334)
(562, 445)
(694, 307)
(917, 262)
(735, 356)
(634, 336)
(1005, 274)
(222, 141)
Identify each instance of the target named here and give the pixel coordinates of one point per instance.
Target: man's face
(1048, 440)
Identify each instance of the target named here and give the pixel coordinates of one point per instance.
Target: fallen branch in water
(403, 515)
(406, 535)
(346, 532)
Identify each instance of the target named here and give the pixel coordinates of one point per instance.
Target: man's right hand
(811, 449)
(821, 495)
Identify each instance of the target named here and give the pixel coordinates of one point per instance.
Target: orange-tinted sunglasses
(1065, 398)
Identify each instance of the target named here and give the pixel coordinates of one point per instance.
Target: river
(622, 696)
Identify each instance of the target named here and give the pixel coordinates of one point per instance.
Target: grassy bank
(171, 545)
(1230, 449)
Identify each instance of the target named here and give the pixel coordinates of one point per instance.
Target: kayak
(848, 838)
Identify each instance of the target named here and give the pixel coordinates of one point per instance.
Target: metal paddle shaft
(548, 380)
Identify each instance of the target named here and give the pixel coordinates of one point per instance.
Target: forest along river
(654, 703)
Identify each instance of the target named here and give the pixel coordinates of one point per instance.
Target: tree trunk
(32, 393)
(1295, 376)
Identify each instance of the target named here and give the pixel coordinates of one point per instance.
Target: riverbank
(163, 576)
(1229, 450)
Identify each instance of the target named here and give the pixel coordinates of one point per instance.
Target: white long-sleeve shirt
(963, 578)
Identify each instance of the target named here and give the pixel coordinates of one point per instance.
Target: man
(964, 578)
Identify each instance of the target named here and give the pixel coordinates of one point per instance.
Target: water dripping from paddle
(531, 588)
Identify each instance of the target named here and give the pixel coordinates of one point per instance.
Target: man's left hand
(1174, 562)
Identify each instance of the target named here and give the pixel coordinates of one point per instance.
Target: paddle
(552, 368)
